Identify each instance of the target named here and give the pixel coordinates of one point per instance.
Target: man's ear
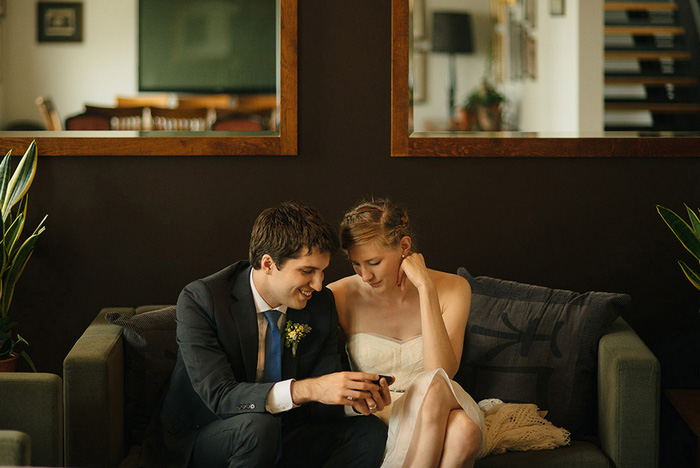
(267, 264)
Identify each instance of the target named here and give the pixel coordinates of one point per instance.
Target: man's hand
(339, 388)
(355, 389)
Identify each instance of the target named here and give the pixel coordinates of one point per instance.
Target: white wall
(591, 67)
(93, 71)
(567, 96)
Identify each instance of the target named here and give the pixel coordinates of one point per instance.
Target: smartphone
(389, 379)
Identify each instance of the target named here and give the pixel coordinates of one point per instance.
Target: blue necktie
(273, 348)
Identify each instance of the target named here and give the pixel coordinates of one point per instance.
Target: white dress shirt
(280, 397)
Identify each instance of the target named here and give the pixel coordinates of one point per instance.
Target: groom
(238, 397)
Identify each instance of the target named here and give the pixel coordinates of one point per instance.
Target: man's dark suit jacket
(214, 377)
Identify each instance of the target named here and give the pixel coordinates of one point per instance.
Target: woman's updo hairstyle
(376, 219)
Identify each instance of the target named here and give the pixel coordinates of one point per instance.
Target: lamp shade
(452, 33)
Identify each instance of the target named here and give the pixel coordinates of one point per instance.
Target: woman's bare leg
(425, 450)
(462, 441)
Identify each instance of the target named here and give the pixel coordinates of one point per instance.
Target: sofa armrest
(33, 404)
(93, 379)
(628, 398)
(15, 448)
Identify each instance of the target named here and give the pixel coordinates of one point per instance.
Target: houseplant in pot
(482, 108)
(14, 188)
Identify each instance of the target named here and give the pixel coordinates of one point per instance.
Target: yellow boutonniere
(293, 333)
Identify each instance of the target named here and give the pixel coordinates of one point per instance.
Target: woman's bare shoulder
(344, 288)
(451, 285)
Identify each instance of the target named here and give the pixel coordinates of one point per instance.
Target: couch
(104, 416)
(31, 419)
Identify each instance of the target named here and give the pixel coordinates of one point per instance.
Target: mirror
(450, 142)
(163, 143)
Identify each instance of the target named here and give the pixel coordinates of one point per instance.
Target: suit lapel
(289, 362)
(245, 318)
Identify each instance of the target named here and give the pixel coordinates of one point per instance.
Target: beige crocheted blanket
(520, 427)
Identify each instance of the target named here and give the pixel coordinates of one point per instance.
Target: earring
(403, 256)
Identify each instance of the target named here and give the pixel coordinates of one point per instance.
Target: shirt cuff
(280, 397)
(350, 411)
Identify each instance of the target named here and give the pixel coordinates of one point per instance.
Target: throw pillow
(150, 354)
(533, 344)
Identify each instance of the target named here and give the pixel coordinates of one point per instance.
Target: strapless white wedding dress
(380, 354)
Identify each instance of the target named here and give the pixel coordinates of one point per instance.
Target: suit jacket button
(198, 427)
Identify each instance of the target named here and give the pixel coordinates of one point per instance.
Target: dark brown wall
(130, 231)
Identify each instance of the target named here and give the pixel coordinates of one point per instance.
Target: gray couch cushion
(532, 344)
(150, 354)
(577, 455)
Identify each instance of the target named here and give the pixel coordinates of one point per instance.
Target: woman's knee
(438, 402)
(463, 434)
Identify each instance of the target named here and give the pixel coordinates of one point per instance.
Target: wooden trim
(399, 78)
(640, 6)
(405, 144)
(288, 78)
(647, 54)
(644, 30)
(658, 107)
(652, 80)
(181, 144)
(523, 147)
(105, 144)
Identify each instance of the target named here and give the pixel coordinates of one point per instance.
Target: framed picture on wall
(531, 57)
(556, 7)
(419, 19)
(59, 22)
(531, 13)
(419, 77)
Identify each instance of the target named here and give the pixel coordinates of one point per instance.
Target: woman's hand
(379, 400)
(413, 269)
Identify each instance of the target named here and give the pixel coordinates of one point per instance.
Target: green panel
(208, 46)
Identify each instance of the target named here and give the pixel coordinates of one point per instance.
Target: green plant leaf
(5, 176)
(21, 179)
(28, 359)
(17, 265)
(694, 220)
(690, 274)
(14, 231)
(682, 230)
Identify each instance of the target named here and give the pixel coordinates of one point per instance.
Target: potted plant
(688, 234)
(482, 108)
(14, 188)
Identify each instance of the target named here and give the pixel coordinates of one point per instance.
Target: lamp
(452, 34)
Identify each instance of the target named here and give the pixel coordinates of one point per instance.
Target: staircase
(651, 66)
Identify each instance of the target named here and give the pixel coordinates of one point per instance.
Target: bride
(406, 320)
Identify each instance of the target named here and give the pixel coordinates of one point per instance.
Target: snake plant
(14, 188)
(688, 234)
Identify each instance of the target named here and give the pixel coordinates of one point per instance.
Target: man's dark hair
(282, 231)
